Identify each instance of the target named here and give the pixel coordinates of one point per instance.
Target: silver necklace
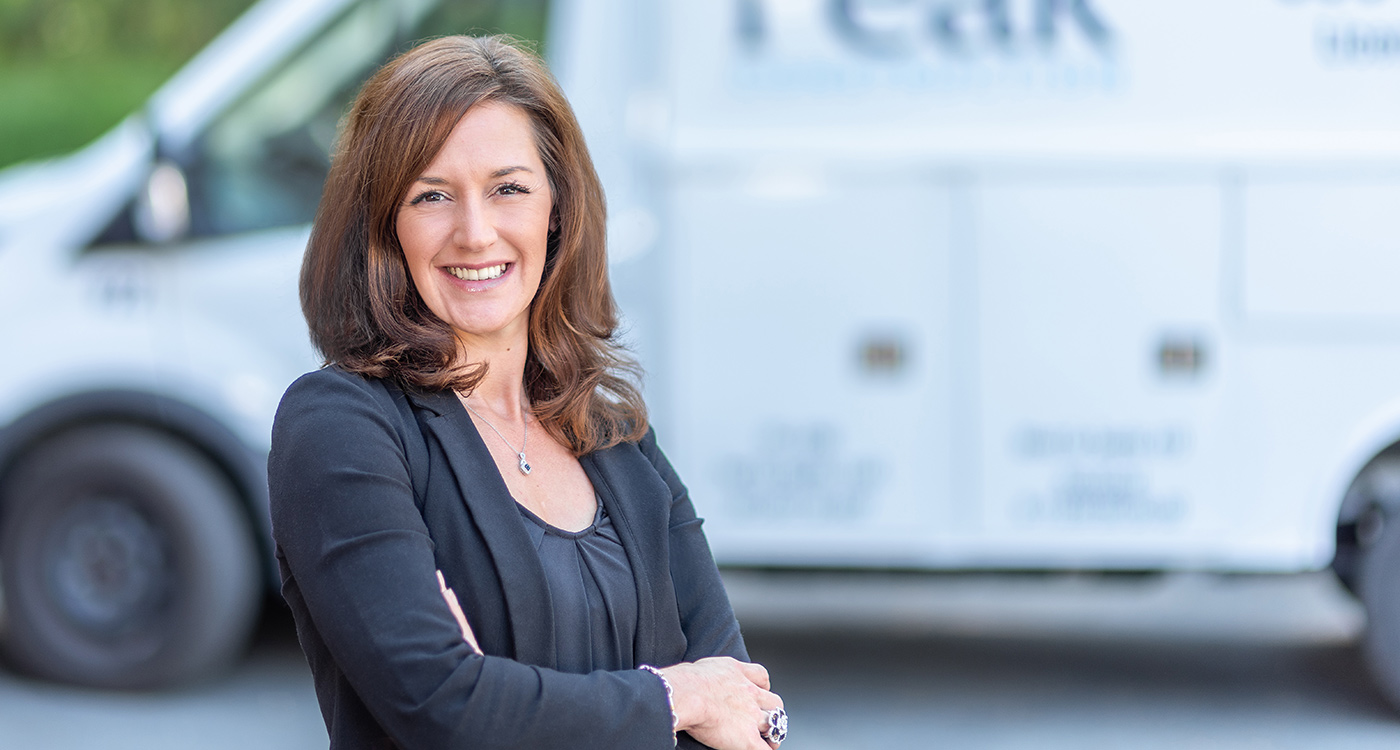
(524, 465)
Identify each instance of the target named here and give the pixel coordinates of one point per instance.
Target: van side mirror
(162, 210)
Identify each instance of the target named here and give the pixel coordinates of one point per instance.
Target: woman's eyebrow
(502, 172)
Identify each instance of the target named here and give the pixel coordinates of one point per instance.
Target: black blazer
(373, 489)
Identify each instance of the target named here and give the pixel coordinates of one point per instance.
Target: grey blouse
(591, 590)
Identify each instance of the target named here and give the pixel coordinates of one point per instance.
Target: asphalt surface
(916, 661)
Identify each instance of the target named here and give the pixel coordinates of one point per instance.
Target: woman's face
(474, 225)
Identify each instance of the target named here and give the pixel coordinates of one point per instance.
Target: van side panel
(1017, 284)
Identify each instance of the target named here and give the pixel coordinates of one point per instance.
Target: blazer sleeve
(706, 616)
(345, 521)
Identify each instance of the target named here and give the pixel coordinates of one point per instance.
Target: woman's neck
(502, 392)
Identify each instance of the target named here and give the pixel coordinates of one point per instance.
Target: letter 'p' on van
(1026, 284)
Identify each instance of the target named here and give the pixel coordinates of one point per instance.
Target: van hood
(63, 203)
(28, 189)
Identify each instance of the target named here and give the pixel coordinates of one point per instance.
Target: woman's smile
(479, 274)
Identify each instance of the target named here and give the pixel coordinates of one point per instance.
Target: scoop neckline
(556, 531)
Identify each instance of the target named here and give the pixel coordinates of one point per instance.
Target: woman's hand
(723, 702)
(456, 607)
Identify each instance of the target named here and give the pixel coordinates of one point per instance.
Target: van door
(1101, 356)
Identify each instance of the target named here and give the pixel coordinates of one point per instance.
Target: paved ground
(266, 704)
(1066, 662)
(885, 661)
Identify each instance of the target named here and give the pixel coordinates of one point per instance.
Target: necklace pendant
(524, 465)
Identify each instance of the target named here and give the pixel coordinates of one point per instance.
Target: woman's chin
(489, 328)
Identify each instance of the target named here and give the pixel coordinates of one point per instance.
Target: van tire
(1373, 495)
(1379, 585)
(126, 561)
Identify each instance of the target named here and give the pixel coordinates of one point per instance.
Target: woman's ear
(553, 220)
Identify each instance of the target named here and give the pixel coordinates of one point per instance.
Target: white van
(932, 284)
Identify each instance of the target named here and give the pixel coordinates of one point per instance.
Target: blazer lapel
(493, 511)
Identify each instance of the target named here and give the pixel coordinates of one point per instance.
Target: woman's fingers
(724, 703)
(456, 607)
(768, 702)
(756, 673)
(772, 725)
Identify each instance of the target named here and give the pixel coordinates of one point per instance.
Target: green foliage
(96, 30)
(52, 108)
(71, 69)
(524, 19)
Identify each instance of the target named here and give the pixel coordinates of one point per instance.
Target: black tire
(126, 561)
(1372, 496)
(1379, 585)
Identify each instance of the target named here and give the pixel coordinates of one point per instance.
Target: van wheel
(1372, 496)
(126, 561)
(1379, 585)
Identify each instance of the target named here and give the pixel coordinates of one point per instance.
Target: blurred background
(1035, 363)
(73, 70)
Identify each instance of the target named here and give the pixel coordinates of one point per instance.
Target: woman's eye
(430, 196)
(512, 188)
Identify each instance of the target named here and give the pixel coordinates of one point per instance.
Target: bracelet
(670, 696)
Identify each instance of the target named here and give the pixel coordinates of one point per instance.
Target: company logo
(895, 29)
(967, 48)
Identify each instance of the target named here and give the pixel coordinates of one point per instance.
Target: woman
(477, 431)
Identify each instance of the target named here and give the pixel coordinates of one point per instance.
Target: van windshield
(263, 162)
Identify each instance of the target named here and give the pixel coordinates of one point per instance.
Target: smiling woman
(478, 431)
(381, 321)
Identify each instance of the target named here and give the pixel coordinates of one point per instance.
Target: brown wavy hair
(360, 303)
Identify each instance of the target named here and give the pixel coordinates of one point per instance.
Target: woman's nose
(474, 229)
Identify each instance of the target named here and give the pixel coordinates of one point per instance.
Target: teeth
(479, 274)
